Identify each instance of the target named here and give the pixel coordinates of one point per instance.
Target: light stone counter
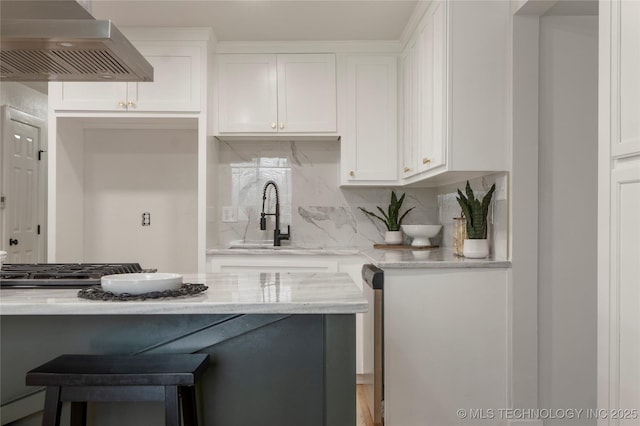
(250, 293)
(430, 259)
(402, 258)
(283, 250)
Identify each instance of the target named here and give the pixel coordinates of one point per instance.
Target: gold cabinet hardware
(121, 104)
(352, 173)
(425, 161)
(273, 125)
(131, 104)
(282, 125)
(407, 169)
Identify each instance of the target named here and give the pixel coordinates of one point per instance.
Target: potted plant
(475, 212)
(391, 218)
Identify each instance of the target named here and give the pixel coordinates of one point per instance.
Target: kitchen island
(282, 346)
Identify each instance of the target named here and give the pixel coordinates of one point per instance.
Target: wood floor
(363, 417)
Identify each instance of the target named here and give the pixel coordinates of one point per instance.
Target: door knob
(273, 125)
(425, 161)
(352, 173)
(407, 169)
(13, 242)
(121, 104)
(131, 104)
(282, 125)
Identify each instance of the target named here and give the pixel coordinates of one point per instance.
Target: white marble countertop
(249, 293)
(432, 259)
(284, 250)
(397, 258)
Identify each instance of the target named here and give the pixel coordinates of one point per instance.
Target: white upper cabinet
(369, 142)
(455, 93)
(432, 103)
(175, 87)
(288, 93)
(625, 78)
(247, 93)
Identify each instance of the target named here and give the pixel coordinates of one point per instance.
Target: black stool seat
(82, 378)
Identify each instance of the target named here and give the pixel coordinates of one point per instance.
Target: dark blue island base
(265, 369)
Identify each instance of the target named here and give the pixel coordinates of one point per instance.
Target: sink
(268, 245)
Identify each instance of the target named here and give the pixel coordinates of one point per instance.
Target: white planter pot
(393, 237)
(476, 249)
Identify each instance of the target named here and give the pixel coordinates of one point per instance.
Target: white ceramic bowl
(140, 283)
(421, 233)
(3, 256)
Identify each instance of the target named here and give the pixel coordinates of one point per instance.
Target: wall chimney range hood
(57, 40)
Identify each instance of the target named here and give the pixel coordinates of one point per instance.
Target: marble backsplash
(321, 214)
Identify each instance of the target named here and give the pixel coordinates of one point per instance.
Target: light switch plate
(229, 214)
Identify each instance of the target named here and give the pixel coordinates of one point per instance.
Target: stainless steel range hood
(57, 40)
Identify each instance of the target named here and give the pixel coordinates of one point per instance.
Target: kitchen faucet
(277, 236)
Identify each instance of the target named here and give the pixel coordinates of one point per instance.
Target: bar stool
(82, 378)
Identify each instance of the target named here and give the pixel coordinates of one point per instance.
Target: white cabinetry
(456, 98)
(287, 93)
(369, 144)
(619, 208)
(175, 87)
(446, 344)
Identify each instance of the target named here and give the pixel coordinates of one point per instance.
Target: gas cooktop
(61, 275)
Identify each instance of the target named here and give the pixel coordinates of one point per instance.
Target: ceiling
(267, 20)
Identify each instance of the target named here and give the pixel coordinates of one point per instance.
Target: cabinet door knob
(407, 169)
(131, 104)
(425, 161)
(121, 104)
(352, 173)
(273, 125)
(282, 125)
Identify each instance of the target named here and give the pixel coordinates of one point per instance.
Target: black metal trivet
(97, 293)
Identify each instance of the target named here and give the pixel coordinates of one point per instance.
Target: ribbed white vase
(476, 249)
(393, 237)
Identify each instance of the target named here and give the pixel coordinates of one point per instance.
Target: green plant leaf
(376, 216)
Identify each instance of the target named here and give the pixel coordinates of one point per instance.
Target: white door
(307, 93)
(21, 192)
(247, 93)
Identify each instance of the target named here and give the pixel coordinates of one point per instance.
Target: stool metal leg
(78, 414)
(189, 408)
(52, 407)
(171, 408)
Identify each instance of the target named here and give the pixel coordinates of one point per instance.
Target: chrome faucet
(277, 236)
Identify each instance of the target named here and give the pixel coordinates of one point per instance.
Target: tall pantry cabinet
(619, 209)
(128, 161)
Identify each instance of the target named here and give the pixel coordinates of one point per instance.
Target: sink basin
(268, 245)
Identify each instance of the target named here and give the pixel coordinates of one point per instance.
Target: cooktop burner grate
(64, 275)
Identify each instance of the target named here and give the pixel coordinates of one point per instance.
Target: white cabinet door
(625, 77)
(307, 93)
(370, 141)
(176, 80)
(175, 85)
(247, 93)
(432, 105)
(88, 96)
(410, 96)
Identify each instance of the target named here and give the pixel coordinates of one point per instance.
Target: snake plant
(391, 218)
(475, 212)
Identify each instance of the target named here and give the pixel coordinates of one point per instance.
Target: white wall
(567, 213)
(129, 172)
